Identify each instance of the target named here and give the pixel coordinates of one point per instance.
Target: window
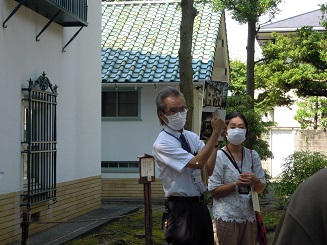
(120, 167)
(121, 104)
(39, 144)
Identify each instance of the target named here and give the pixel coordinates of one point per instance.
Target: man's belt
(185, 199)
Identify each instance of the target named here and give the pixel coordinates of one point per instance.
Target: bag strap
(252, 160)
(232, 161)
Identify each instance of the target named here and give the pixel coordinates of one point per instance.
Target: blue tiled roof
(140, 42)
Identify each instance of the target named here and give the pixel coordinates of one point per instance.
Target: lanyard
(171, 135)
(194, 154)
(232, 159)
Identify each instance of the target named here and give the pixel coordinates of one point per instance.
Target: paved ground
(65, 232)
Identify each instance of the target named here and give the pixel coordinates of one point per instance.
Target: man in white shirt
(180, 155)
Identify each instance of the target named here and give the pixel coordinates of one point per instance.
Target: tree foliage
(239, 101)
(238, 78)
(323, 8)
(249, 11)
(293, 64)
(244, 11)
(298, 167)
(312, 113)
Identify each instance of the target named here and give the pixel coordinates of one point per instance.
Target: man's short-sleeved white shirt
(171, 159)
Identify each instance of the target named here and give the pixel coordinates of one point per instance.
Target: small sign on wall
(147, 169)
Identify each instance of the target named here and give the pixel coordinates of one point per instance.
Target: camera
(244, 189)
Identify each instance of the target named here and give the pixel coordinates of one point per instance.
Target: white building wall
(126, 140)
(78, 76)
(281, 138)
(282, 145)
(284, 117)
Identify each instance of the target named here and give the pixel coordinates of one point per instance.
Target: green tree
(249, 11)
(239, 101)
(237, 85)
(323, 8)
(312, 113)
(297, 167)
(296, 64)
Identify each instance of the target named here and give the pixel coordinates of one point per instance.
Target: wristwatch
(236, 187)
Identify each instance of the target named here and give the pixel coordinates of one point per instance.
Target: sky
(237, 34)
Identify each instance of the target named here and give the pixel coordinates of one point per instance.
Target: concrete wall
(312, 140)
(285, 141)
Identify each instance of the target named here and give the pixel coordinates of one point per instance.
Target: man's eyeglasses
(173, 111)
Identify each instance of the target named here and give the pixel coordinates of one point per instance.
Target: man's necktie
(185, 144)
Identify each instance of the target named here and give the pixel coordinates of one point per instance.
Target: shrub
(268, 187)
(297, 167)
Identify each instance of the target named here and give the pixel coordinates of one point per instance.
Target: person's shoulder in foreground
(304, 220)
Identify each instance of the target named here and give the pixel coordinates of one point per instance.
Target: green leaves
(248, 10)
(298, 167)
(292, 63)
(312, 113)
(238, 78)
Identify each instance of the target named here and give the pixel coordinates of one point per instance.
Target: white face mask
(177, 120)
(236, 136)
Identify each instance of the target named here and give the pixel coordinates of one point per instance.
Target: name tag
(196, 176)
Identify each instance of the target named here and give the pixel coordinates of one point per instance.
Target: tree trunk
(185, 57)
(316, 114)
(250, 61)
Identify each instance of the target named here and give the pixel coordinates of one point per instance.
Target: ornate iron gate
(40, 141)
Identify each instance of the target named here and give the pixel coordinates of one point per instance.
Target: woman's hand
(248, 179)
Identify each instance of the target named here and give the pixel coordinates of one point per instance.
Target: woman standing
(237, 171)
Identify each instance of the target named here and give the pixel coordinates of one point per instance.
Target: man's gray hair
(163, 94)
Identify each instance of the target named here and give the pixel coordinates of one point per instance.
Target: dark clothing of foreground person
(304, 220)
